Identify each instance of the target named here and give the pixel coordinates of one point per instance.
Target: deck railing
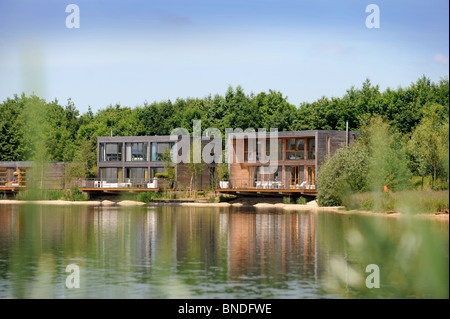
(235, 183)
(119, 183)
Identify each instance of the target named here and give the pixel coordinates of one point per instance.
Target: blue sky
(129, 52)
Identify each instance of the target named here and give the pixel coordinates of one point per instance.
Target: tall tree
(431, 137)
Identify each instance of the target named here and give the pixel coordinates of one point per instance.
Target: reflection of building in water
(198, 235)
(265, 243)
(9, 225)
(124, 236)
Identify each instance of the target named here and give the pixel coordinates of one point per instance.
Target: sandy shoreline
(311, 206)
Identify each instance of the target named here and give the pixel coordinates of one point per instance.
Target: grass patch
(412, 201)
(52, 194)
(147, 196)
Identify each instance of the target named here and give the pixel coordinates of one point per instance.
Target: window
(295, 176)
(311, 176)
(136, 152)
(111, 152)
(279, 154)
(158, 149)
(111, 174)
(252, 176)
(295, 148)
(311, 148)
(251, 153)
(259, 175)
(22, 178)
(136, 174)
(3, 176)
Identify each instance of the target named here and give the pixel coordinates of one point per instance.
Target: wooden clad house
(291, 164)
(18, 174)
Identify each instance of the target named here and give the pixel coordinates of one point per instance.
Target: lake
(194, 252)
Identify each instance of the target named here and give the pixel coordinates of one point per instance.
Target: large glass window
(279, 153)
(111, 152)
(311, 176)
(295, 148)
(136, 152)
(136, 174)
(265, 177)
(158, 149)
(252, 176)
(111, 174)
(252, 149)
(295, 175)
(311, 148)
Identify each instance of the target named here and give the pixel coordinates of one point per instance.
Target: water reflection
(175, 252)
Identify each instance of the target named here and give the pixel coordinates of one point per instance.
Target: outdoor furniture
(224, 184)
(154, 184)
(103, 184)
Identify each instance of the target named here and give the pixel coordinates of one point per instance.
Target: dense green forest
(61, 133)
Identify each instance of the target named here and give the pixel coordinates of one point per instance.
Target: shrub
(367, 203)
(342, 174)
(162, 175)
(147, 196)
(286, 200)
(376, 159)
(76, 195)
(301, 200)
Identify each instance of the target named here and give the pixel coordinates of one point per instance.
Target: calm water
(186, 252)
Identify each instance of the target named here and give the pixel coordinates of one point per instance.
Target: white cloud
(329, 48)
(440, 58)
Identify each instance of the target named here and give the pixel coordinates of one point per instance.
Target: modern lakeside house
(135, 161)
(291, 164)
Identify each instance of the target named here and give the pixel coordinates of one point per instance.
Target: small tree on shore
(430, 139)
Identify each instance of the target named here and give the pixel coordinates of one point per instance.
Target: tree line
(31, 127)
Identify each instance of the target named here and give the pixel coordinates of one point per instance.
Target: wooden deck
(111, 189)
(269, 191)
(10, 189)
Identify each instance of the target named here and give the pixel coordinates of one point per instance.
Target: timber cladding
(23, 173)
